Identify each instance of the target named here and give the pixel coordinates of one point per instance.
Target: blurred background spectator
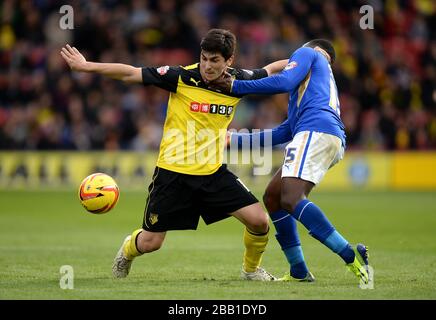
(386, 76)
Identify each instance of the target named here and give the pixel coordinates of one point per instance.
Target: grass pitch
(42, 231)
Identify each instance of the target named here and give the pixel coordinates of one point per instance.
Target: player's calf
(147, 241)
(134, 245)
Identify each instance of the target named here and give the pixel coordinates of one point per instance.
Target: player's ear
(229, 61)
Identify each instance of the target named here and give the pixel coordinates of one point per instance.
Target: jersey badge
(291, 65)
(163, 70)
(153, 218)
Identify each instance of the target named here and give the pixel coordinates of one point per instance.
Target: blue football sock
(339, 245)
(321, 229)
(289, 240)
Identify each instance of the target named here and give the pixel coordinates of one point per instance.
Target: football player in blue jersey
(317, 142)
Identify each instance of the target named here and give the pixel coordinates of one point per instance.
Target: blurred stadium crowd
(386, 76)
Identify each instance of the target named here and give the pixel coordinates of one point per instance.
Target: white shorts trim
(310, 154)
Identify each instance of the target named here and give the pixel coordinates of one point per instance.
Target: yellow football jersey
(197, 118)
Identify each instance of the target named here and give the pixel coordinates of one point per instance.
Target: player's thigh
(170, 203)
(223, 194)
(307, 159)
(253, 217)
(293, 190)
(271, 197)
(310, 154)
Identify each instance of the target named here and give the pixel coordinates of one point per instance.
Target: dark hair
(323, 44)
(219, 41)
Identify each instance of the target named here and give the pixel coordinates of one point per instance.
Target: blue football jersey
(313, 96)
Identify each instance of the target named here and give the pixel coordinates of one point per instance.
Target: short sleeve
(164, 77)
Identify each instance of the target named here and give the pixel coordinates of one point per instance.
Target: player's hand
(222, 84)
(74, 58)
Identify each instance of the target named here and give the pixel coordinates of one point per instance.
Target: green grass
(41, 231)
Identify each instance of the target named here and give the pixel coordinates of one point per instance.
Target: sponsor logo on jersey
(163, 70)
(195, 106)
(205, 107)
(212, 108)
(291, 65)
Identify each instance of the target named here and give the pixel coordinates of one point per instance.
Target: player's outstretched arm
(118, 71)
(285, 81)
(225, 83)
(276, 66)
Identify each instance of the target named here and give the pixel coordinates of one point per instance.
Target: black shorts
(176, 201)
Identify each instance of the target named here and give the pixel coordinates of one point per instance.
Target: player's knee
(260, 224)
(271, 201)
(288, 203)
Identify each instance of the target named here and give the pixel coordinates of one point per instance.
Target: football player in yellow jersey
(190, 181)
